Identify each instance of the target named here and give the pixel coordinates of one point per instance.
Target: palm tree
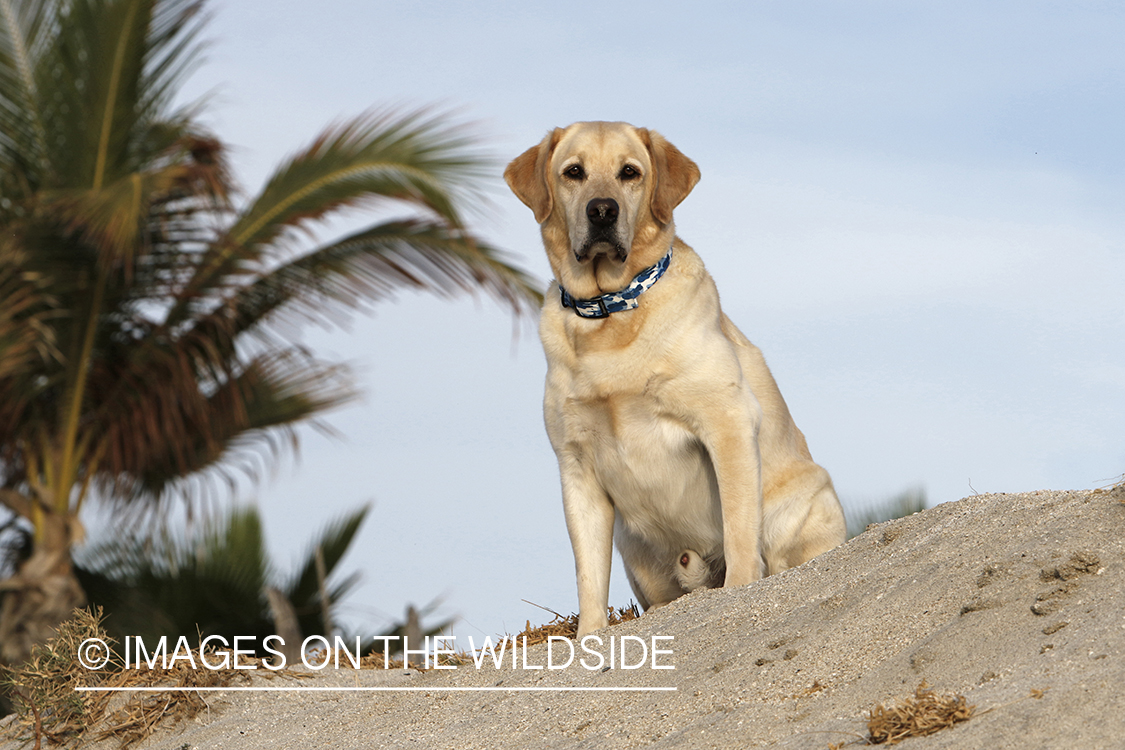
(140, 355)
(218, 581)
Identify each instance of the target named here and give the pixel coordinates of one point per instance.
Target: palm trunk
(43, 593)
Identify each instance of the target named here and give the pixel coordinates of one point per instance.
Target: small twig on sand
(545, 609)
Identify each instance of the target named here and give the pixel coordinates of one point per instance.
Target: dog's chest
(654, 469)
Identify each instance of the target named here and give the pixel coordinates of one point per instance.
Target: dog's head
(603, 193)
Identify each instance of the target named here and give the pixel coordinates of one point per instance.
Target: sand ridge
(994, 597)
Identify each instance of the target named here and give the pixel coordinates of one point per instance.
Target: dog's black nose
(602, 212)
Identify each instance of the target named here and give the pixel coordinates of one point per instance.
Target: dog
(669, 429)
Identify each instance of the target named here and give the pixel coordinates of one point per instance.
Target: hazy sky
(914, 209)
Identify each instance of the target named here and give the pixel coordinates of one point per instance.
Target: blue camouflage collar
(611, 302)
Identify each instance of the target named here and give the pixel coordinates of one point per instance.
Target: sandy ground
(992, 597)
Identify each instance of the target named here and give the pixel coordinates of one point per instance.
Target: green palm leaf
(373, 264)
(23, 139)
(303, 589)
(379, 157)
(109, 73)
(125, 218)
(212, 581)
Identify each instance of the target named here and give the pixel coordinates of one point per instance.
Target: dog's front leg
(729, 431)
(589, 520)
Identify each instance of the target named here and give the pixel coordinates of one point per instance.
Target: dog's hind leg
(824, 529)
(799, 529)
(649, 572)
(637, 592)
(653, 588)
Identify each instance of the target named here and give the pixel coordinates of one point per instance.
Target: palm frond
(340, 591)
(27, 347)
(24, 28)
(209, 582)
(303, 589)
(413, 158)
(175, 49)
(112, 219)
(234, 551)
(373, 264)
(124, 218)
(146, 367)
(97, 83)
(24, 337)
(165, 424)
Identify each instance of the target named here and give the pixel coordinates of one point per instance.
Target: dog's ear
(527, 176)
(675, 175)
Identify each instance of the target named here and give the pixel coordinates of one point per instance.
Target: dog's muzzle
(602, 214)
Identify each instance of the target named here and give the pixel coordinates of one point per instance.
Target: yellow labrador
(670, 431)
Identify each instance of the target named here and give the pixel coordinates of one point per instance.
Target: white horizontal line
(378, 689)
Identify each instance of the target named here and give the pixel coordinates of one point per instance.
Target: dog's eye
(629, 172)
(575, 172)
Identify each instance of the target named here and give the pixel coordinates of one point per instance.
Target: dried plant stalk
(917, 715)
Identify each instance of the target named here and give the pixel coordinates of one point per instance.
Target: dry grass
(917, 715)
(561, 625)
(43, 691)
(567, 627)
(377, 660)
(48, 706)
(137, 716)
(1116, 489)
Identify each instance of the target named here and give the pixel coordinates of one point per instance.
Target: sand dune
(992, 597)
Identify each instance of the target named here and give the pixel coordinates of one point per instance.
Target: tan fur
(671, 434)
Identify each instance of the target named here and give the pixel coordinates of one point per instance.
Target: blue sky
(914, 209)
